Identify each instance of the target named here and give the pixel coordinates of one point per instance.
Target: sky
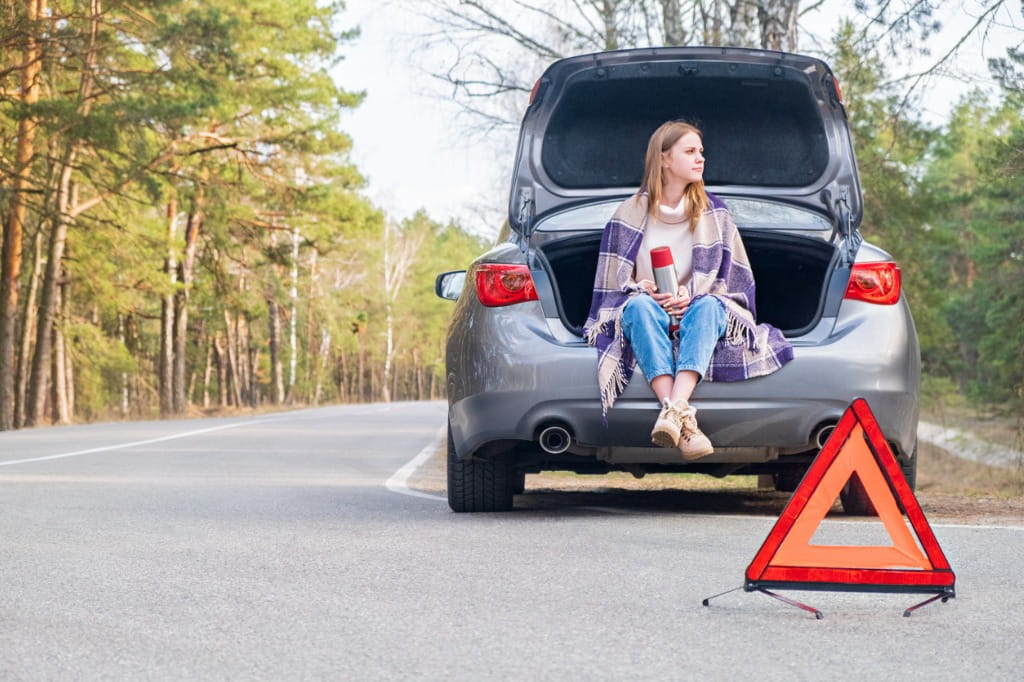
(408, 145)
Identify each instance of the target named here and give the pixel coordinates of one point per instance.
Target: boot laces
(682, 413)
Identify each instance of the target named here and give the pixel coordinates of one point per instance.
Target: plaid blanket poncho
(720, 269)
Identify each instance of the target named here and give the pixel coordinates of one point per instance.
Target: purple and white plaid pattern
(720, 269)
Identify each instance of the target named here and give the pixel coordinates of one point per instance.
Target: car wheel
(855, 498)
(479, 485)
(910, 469)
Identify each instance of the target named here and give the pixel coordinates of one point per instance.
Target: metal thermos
(665, 277)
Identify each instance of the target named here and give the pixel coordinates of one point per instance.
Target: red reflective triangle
(787, 556)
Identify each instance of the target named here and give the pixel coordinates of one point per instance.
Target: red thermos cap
(661, 257)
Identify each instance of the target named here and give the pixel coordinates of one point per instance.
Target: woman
(629, 321)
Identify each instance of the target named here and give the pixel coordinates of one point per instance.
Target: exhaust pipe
(555, 439)
(821, 437)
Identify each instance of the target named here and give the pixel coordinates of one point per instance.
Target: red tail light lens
(874, 283)
(533, 92)
(500, 284)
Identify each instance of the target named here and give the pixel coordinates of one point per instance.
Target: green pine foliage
(208, 194)
(191, 179)
(947, 203)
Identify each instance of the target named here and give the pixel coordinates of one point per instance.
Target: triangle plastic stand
(788, 559)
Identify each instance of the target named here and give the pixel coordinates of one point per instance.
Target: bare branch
(500, 26)
(934, 68)
(812, 7)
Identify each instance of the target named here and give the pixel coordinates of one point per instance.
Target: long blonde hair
(661, 141)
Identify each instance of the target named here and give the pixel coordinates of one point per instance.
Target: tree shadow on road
(726, 501)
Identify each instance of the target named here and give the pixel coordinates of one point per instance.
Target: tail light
(874, 283)
(533, 92)
(500, 284)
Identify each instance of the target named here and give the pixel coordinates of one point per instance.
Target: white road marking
(399, 481)
(975, 526)
(122, 446)
(771, 519)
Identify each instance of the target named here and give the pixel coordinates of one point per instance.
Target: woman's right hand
(673, 304)
(648, 286)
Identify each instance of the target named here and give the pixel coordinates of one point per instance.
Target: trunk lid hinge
(842, 225)
(524, 214)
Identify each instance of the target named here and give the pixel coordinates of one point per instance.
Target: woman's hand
(647, 285)
(673, 305)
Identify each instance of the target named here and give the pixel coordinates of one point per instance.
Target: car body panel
(509, 376)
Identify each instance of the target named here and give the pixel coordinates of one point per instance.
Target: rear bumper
(510, 378)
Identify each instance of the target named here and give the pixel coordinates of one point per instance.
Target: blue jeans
(645, 324)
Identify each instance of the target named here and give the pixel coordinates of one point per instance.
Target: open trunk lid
(774, 126)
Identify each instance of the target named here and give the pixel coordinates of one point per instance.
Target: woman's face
(684, 161)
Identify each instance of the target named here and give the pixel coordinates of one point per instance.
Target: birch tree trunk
(181, 298)
(69, 373)
(672, 23)
(325, 346)
(611, 30)
(39, 378)
(276, 368)
(231, 370)
(122, 335)
(343, 378)
(778, 20)
(293, 320)
(14, 226)
(240, 364)
(28, 328)
(220, 355)
(253, 357)
(315, 359)
(206, 376)
(166, 361)
(61, 414)
(389, 344)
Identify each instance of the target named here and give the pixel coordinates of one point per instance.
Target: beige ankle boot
(693, 444)
(669, 425)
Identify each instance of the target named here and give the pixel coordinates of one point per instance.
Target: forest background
(184, 229)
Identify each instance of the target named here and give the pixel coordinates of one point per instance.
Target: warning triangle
(788, 559)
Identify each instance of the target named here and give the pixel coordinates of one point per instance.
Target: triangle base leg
(817, 614)
(706, 602)
(945, 597)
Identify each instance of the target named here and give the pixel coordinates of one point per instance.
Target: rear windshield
(749, 213)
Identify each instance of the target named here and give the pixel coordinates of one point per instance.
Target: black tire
(518, 481)
(479, 485)
(855, 499)
(910, 469)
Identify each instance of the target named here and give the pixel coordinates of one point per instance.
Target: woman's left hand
(674, 305)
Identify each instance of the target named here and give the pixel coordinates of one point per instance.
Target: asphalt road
(287, 546)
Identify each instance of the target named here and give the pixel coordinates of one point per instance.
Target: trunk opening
(791, 273)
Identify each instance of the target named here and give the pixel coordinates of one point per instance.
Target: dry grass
(941, 472)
